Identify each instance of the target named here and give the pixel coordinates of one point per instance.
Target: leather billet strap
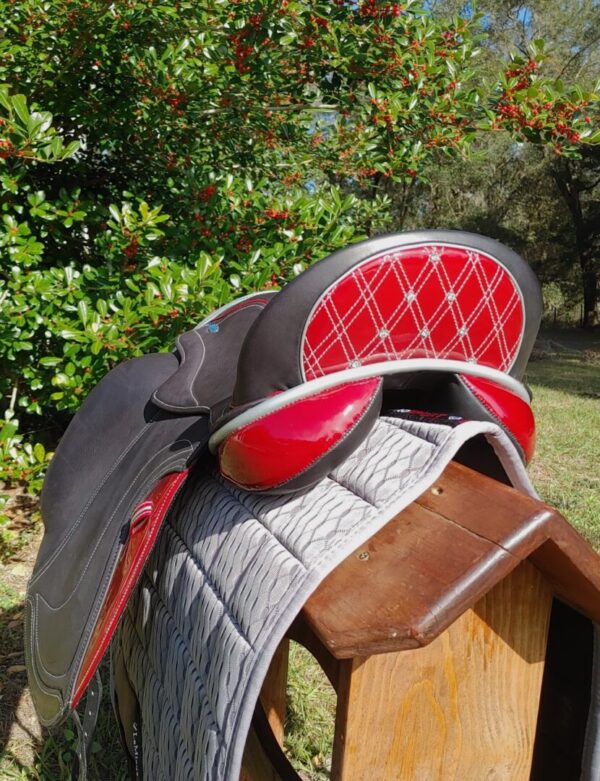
(85, 729)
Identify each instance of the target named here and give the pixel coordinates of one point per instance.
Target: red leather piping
(145, 523)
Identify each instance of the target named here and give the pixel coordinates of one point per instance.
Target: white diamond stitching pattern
(363, 328)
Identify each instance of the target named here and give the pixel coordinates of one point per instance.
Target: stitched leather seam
(200, 365)
(116, 464)
(126, 493)
(82, 645)
(134, 572)
(497, 420)
(39, 681)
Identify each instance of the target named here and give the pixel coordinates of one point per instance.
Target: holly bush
(157, 159)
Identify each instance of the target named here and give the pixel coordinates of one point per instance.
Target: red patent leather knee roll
(512, 412)
(295, 446)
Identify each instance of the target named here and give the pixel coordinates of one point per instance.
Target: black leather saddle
(280, 387)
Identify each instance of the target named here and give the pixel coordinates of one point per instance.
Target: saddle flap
(108, 489)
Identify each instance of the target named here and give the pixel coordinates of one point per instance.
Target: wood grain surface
(438, 557)
(462, 709)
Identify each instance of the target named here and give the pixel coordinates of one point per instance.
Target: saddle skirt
(281, 387)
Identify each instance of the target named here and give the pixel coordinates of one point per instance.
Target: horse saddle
(274, 390)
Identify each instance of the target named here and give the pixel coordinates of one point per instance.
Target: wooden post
(256, 765)
(273, 696)
(461, 709)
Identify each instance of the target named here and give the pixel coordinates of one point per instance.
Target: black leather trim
(208, 359)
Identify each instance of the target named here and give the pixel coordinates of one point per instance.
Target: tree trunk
(589, 277)
(584, 242)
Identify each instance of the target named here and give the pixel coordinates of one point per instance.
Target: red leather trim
(145, 523)
(515, 414)
(276, 448)
(427, 301)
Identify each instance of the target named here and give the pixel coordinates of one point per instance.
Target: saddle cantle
(446, 320)
(282, 387)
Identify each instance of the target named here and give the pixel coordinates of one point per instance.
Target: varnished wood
(433, 634)
(273, 693)
(301, 633)
(419, 573)
(256, 765)
(462, 709)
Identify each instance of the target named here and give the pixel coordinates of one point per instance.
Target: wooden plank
(256, 765)
(464, 708)
(273, 693)
(438, 557)
(490, 509)
(404, 586)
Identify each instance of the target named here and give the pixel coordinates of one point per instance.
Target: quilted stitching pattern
(232, 569)
(424, 302)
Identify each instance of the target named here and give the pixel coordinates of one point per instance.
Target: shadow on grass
(574, 374)
(567, 361)
(27, 752)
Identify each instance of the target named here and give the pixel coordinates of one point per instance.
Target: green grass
(309, 717)
(566, 471)
(566, 467)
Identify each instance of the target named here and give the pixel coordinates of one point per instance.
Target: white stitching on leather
(116, 464)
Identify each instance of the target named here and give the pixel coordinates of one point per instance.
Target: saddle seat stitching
(40, 683)
(200, 365)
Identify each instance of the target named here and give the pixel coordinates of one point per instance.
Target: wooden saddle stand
(458, 641)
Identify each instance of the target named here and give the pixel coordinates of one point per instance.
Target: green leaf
(82, 308)
(19, 104)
